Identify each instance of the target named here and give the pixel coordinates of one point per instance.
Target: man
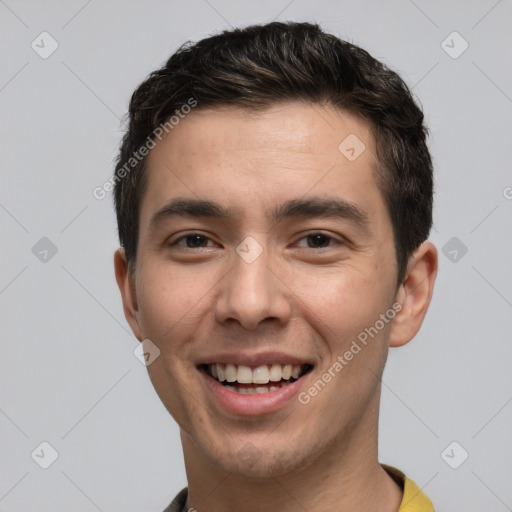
(274, 198)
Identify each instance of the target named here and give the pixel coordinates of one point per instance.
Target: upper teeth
(259, 375)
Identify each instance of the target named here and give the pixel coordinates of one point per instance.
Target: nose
(252, 293)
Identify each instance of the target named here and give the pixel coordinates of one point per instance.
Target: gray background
(67, 371)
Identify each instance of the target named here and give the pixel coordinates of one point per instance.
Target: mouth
(246, 380)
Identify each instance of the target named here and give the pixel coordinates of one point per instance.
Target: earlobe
(128, 292)
(414, 294)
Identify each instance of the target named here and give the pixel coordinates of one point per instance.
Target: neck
(345, 476)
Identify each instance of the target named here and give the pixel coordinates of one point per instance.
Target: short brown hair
(261, 65)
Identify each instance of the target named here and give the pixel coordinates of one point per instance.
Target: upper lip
(254, 360)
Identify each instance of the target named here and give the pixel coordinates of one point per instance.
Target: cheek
(344, 310)
(170, 300)
(341, 304)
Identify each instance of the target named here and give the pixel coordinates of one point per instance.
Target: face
(268, 285)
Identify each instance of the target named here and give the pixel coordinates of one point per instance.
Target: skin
(297, 297)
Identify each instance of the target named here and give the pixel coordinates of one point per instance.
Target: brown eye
(318, 241)
(192, 241)
(322, 240)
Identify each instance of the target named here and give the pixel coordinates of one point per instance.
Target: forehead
(291, 127)
(256, 160)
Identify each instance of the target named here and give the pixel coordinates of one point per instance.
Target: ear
(414, 294)
(128, 293)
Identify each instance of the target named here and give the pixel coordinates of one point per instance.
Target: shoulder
(178, 503)
(414, 499)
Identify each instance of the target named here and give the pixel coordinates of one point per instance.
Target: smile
(261, 379)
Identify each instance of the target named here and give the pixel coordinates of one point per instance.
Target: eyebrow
(322, 207)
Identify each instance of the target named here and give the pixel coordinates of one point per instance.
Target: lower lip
(252, 405)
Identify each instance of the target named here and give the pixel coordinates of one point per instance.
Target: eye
(317, 238)
(192, 241)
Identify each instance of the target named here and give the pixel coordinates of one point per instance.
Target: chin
(263, 459)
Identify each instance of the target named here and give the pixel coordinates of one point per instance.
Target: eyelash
(312, 234)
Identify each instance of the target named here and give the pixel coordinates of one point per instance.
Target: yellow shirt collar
(414, 500)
